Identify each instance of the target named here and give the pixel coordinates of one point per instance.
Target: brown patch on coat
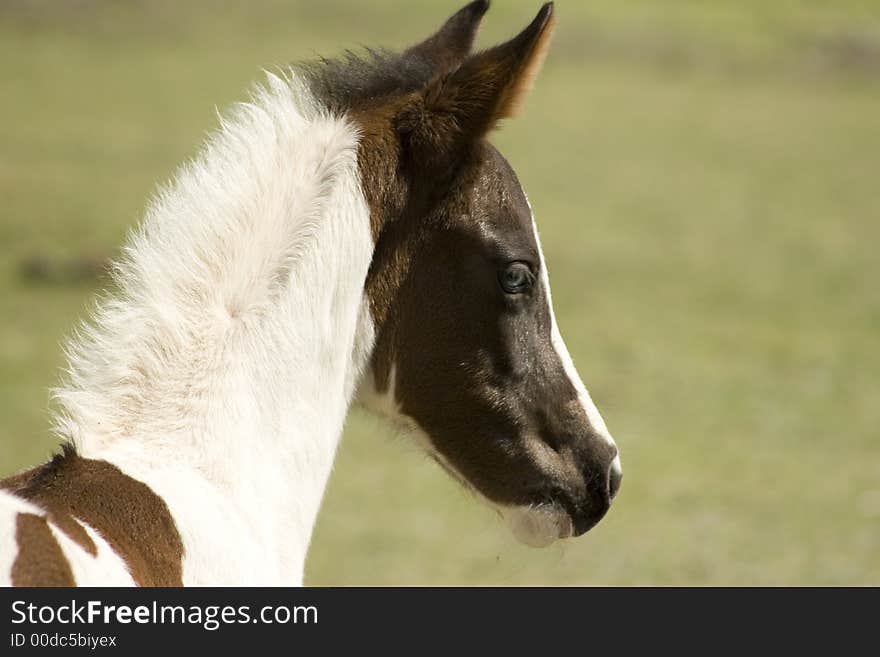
(126, 512)
(64, 521)
(40, 560)
(16, 482)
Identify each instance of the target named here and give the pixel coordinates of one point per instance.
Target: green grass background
(706, 177)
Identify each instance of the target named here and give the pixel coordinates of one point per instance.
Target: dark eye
(516, 278)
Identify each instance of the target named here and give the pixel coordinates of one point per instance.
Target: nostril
(615, 475)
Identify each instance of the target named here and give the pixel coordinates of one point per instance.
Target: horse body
(285, 272)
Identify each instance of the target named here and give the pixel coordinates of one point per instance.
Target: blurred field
(705, 177)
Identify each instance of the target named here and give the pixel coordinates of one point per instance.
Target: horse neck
(234, 348)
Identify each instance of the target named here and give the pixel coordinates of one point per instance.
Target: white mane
(221, 369)
(207, 266)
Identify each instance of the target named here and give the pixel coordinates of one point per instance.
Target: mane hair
(207, 264)
(356, 79)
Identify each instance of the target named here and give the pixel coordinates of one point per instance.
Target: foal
(348, 234)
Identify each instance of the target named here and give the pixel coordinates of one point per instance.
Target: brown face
(469, 337)
(467, 352)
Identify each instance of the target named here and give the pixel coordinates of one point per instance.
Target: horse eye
(516, 278)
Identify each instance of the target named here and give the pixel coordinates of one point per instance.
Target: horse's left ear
(448, 47)
(458, 109)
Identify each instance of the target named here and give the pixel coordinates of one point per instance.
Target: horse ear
(447, 48)
(459, 108)
(497, 80)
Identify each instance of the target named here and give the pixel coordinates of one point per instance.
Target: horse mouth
(539, 525)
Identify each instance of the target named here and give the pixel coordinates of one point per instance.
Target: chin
(538, 526)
